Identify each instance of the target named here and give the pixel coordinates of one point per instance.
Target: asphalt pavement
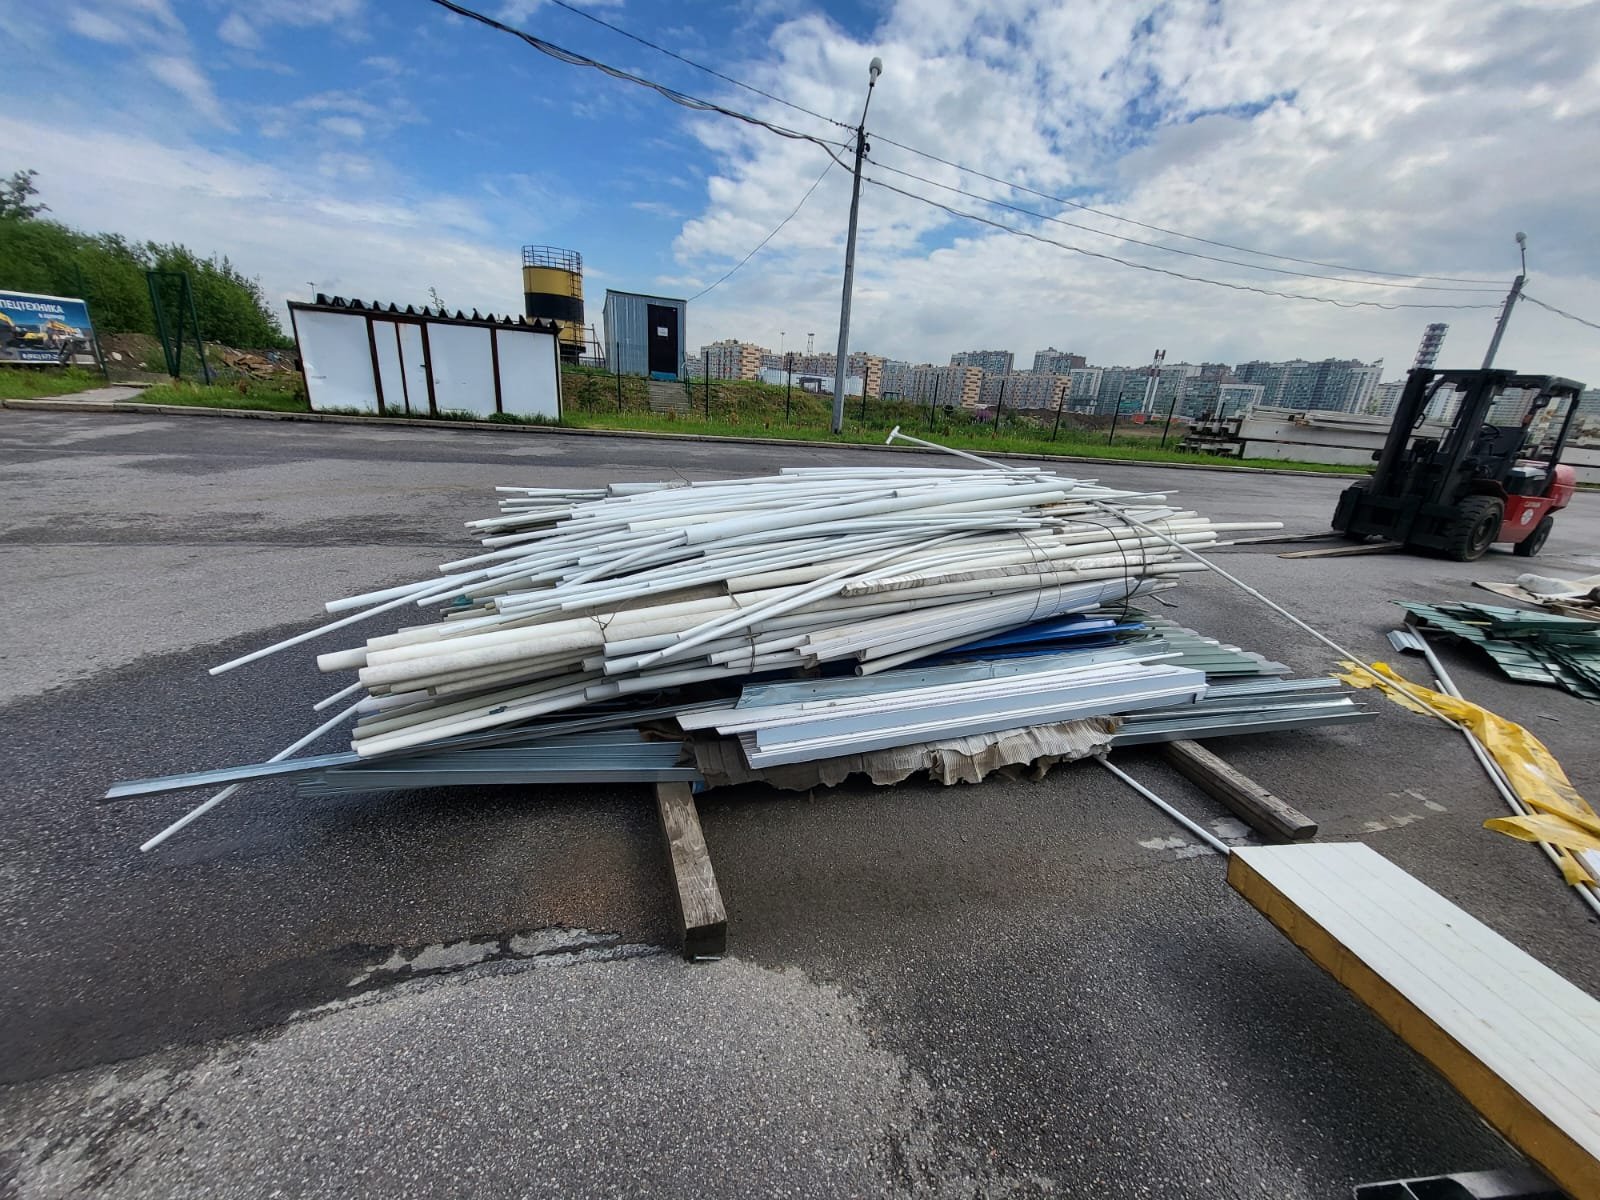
(1016, 988)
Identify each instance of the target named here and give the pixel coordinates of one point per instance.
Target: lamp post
(1511, 299)
(874, 69)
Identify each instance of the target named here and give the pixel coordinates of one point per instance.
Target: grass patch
(745, 409)
(256, 398)
(1129, 449)
(27, 383)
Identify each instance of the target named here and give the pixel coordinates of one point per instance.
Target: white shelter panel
(463, 368)
(528, 383)
(337, 359)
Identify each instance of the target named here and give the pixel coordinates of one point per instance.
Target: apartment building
(1024, 389)
(732, 359)
(998, 362)
(1051, 361)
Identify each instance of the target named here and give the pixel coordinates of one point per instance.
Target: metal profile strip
(1285, 719)
(988, 721)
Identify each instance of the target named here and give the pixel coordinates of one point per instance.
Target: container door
(663, 340)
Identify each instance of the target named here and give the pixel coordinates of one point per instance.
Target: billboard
(45, 329)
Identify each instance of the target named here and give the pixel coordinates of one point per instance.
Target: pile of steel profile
(810, 615)
(1530, 647)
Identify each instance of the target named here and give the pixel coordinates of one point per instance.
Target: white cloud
(511, 11)
(189, 81)
(236, 30)
(655, 208)
(347, 127)
(120, 21)
(1403, 134)
(373, 236)
(151, 26)
(97, 26)
(299, 14)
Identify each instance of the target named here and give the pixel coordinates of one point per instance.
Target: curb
(186, 410)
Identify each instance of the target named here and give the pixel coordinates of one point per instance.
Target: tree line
(107, 270)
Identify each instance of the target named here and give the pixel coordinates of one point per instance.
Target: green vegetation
(107, 270)
(254, 397)
(25, 383)
(745, 409)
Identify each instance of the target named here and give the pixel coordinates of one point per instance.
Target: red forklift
(1495, 476)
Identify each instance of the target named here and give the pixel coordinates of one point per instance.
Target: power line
(1310, 262)
(699, 104)
(1238, 287)
(1171, 249)
(1559, 312)
(774, 233)
(739, 83)
(583, 60)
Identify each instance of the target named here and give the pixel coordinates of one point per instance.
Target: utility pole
(843, 361)
(1511, 299)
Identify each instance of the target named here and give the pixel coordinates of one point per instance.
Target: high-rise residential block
(731, 359)
(998, 362)
(1024, 389)
(1051, 361)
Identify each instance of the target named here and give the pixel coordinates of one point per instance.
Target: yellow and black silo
(552, 287)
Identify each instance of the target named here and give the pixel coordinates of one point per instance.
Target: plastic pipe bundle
(584, 595)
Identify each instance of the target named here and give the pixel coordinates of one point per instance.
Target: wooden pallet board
(702, 919)
(1518, 1041)
(1244, 797)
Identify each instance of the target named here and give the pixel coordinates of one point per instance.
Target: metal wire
(582, 60)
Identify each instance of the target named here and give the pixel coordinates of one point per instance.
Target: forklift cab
(1495, 476)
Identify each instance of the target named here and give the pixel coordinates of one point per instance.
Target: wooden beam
(1518, 1041)
(701, 917)
(1345, 551)
(1245, 798)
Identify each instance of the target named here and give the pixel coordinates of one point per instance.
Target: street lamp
(874, 69)
(1511, 300)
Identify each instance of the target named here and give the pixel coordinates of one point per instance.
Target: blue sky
(381, 148)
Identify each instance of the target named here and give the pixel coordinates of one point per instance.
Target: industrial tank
(552, 287)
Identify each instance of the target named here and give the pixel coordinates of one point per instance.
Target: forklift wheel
(1475, 528)
(1534, 542)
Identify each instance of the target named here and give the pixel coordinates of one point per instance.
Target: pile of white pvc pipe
(584, 595)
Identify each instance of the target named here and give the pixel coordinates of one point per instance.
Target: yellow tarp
(1560, 816)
